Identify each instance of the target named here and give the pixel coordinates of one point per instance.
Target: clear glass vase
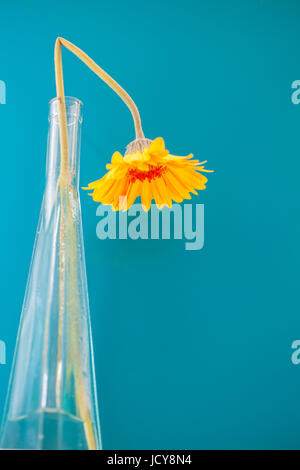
(52, 401)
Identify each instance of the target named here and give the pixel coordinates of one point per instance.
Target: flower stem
(61, 95)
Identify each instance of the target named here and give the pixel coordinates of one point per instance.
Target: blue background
(193, 348)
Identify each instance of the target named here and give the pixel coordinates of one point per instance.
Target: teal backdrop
(192, 348)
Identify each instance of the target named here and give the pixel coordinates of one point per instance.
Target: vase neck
(74, 120)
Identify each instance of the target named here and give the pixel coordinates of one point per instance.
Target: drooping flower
(148, 170)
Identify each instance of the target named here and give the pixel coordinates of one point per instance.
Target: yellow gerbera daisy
(149, 171)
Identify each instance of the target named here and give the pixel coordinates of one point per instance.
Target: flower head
(149, 171)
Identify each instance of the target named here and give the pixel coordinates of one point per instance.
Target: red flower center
(154, 172)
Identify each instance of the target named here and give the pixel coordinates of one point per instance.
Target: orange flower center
(154, 172)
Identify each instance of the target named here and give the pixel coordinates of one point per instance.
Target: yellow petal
(157, 148)
(164, 192)
(156, 194)
(103, 185)
(116, 158)
(133, 193)
(203, 169)
(94, 184)
(146, 195)
(176, 196)
(108, 196)
(178, 184)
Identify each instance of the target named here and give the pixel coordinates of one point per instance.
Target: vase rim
(68, 99)
(73, 108)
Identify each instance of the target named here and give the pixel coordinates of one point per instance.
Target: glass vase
(52, 401)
